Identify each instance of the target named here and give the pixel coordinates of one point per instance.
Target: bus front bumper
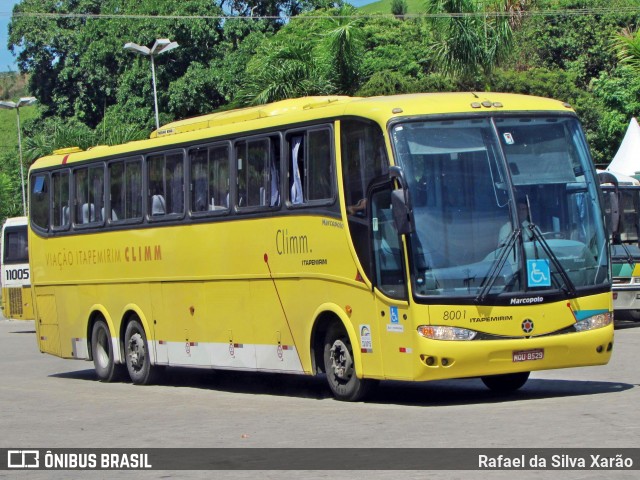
(437, 360)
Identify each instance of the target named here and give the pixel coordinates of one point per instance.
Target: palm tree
(344, 48)
(627, 46)
(471, 38)
(284, 71)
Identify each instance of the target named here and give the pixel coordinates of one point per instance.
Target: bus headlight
(446, 333)
(597, 321)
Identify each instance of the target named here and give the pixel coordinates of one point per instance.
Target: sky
(8, 61)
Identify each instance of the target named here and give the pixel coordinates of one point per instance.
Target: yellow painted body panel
(246, 293)
(16, 303)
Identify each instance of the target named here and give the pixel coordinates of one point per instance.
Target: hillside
(384, 6)
(12, 87)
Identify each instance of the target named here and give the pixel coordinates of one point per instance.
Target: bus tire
(137, 355)
(102, 353)
(340, 367)
(509, 382)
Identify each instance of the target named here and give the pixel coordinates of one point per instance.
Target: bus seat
(88, 213)
(114, 215)
(65, 216)
(157, 205)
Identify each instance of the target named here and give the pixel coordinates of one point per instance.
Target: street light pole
(23, 102)
(161, 45)
(155, 93)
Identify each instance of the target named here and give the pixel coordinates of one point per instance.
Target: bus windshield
(501, 205)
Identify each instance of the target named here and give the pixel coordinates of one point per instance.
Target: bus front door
(392, 304)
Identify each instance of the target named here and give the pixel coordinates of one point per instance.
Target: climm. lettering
(145, 253)
(289, 244)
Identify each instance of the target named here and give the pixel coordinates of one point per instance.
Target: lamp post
(23, 102)
(161, 45)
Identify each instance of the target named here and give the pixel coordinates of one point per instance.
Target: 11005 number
(17, 274)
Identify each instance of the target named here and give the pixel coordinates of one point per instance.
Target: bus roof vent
(67, 151)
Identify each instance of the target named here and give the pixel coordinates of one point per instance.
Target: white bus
(16, 276)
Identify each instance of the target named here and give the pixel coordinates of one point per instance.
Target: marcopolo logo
(23, 459)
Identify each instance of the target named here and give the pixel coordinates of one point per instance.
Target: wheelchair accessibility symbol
(538, 273)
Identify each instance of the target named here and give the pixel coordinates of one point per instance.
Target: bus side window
(199, 184)
(175, 183)
(219, 177)
(125, 189)
(166, 183)
(60, 185)
(387, 247)
(258, 180)
(116, 189)
(310, 166)
(89, 194)
(209, 178)
(318, 167)
(39, 204)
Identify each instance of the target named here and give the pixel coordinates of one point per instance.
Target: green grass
(9, 126)
(384, 6)
(12, 87)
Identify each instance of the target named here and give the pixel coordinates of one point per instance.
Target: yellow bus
(16, 278)
(416, 237)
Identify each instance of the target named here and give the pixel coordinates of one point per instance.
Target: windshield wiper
(497, 265)
(630, 258)
(537, 236)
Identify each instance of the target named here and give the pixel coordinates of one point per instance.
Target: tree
(399, 8)
(285, 70)
(76, 63)
(473, 39)
(10, 190)
(344, 48)
(309, 56)
(619, 94)
(570, 41)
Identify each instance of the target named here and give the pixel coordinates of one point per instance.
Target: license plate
(528, 355)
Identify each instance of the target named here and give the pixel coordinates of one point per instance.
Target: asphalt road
(47, 402)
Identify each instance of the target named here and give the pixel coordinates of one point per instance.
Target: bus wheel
(102, 353)
(509, 382)
(137, 354)
(340, 367)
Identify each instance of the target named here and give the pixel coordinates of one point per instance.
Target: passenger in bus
(359, 209)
